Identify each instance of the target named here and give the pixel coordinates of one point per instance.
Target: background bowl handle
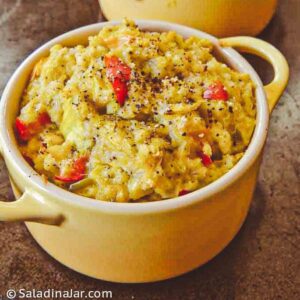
(269, 53)
(30, 207)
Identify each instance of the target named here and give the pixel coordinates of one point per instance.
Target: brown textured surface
(263, 260)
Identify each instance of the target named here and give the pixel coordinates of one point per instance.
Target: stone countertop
(262, 262)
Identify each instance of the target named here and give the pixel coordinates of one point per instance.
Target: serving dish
(138, 242)
(219, 17)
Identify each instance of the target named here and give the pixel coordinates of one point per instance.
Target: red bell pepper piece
(206, 159)
(116, 68)
(26, 131)
(121, 91)
(183, 192)
(216, 91)
(119, 75)
(22, 130)
(69, 179)
(77, 173)
(44, 119)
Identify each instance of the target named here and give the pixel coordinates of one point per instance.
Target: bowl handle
(30, 207)
(268, 52)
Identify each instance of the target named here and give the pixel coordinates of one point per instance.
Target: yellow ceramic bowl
(218, 17)
(138, 242)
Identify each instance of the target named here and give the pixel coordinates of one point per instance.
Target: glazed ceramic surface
(219, 17)
(138, 242)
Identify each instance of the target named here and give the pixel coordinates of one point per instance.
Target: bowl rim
(11, 152)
